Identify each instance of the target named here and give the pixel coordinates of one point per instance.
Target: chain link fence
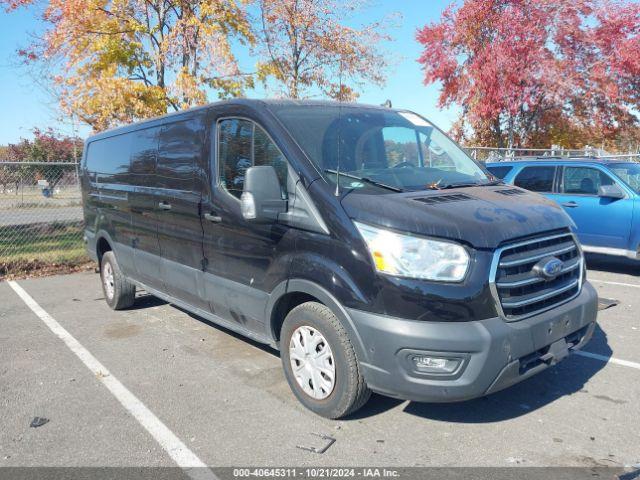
(491, 154)
(40, 217)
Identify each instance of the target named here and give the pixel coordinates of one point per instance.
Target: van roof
(253, 102)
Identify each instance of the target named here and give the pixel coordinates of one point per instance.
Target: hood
(483, 217)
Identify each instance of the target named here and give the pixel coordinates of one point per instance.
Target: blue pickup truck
(602, 196)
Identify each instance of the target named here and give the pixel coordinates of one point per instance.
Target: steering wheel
(405, 164)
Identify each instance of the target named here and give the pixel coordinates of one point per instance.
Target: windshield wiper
(444, 186)
(492, 183)
(364, 179)
(459, 185)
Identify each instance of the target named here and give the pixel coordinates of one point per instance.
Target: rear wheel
(118, 291)
(320, 363)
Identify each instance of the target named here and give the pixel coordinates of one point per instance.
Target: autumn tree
(306, 45)
(537, 72)
(114, 61)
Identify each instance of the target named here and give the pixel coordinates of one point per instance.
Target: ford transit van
(359, 241)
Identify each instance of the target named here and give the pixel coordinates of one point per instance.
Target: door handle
(164, 206)
(212, 217)
(570, 204)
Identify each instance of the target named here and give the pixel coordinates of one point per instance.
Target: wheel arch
(294, 292)
(103, 244)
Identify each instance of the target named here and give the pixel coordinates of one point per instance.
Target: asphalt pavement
(224, 399)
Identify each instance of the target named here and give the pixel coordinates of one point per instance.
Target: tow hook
(557, 351)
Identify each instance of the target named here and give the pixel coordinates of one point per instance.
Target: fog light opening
(431, 364)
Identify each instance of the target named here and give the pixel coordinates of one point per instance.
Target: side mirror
(261, 199)
(610, 191)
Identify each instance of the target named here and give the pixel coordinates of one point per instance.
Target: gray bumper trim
(496, 350)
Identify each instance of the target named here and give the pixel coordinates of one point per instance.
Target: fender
(297, 285)
(103, 234)
(320, 269)
(117, 247)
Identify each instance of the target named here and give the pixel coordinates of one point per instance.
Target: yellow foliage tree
(115, 61)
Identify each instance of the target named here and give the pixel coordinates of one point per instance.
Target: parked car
(360, 241)
(602, 197)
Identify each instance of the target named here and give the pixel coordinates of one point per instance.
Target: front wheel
(320, 363)
(118, 291)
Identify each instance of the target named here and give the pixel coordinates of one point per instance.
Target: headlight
(409, 256)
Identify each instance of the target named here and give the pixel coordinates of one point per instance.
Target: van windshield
(629, 173)
(393, 150)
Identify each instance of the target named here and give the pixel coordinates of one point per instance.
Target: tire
(317, 323)
(119, 292)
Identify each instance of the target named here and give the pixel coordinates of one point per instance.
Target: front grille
(522, 291)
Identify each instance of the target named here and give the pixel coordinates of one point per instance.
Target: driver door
(241, 257)
(601, 222)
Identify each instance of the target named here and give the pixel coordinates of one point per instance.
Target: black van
(360, 241)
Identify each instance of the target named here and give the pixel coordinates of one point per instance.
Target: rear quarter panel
(89, 209)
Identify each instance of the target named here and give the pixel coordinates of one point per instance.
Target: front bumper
(497, 354)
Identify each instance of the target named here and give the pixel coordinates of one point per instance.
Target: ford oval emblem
(548, 268)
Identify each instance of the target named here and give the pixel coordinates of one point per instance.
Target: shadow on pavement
(566, 378)
(608, 263)
(146, 300)
(630, 475)
(261, 346)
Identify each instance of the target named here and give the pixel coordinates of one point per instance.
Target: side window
(234, 153)
(584, 180)
(499, 172)
(243, 144)
(109, 157)
(179, 147)
(144, 152)
(265, 152)
(536, 179)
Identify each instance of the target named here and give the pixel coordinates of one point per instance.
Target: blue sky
(26, 105)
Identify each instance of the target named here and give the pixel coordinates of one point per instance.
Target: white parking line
(617, 361)
(177, 450)
(614, 283)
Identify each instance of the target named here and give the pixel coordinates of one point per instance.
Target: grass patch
(33, 247)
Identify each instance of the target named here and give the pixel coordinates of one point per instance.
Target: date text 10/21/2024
(326, 472)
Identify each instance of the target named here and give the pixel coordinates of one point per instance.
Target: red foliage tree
(44, 154)
(46, 146)
(537, 71)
